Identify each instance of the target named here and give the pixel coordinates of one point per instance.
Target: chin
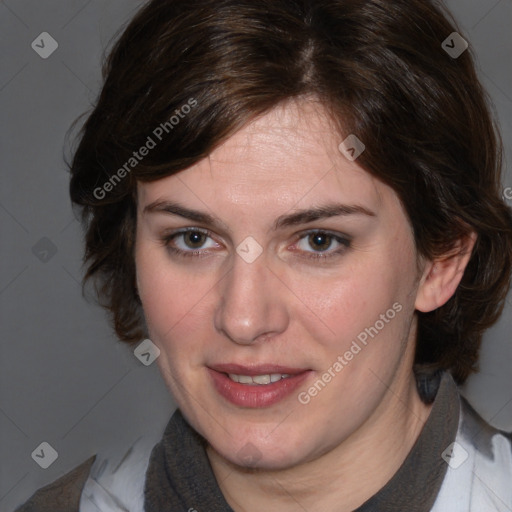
(257, 452)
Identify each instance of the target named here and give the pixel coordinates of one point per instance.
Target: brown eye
(320, 241)
(190, 242)
(319, 244)
(194, 239)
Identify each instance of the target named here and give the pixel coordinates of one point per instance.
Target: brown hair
(378, 67)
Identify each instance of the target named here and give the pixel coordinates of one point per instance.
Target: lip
(258, 396)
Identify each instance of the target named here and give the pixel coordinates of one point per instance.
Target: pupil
(194, 239)
(320, 240)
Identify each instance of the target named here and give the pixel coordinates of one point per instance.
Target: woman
(298, 203)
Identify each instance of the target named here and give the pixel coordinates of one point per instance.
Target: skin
(290, 308)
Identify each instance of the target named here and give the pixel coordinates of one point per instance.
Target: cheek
(174, 313)
(350, 304)
(179, 304)
(169, 294)
(352, 298)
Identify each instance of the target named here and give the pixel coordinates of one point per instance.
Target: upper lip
(256, 369)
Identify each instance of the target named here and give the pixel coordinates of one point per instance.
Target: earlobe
(442, 276)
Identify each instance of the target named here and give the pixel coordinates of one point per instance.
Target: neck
(341, 479)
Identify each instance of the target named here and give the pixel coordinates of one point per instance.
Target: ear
(442, 276)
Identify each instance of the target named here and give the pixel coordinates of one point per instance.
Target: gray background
(64, 378)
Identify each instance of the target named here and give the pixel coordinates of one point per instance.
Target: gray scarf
(180, 479)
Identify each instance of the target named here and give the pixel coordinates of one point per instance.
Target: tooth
(256, 380)
(261, 379)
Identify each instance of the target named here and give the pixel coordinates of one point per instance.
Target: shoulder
(106, 482)
(62, 494)
(479, 473)
(117, 485)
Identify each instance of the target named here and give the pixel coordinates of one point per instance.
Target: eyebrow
(298, 217)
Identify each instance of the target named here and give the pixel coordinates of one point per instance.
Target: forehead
(287, 158)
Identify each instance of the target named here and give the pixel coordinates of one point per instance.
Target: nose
(251, 306)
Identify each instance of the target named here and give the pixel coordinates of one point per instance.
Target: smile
(256, 386)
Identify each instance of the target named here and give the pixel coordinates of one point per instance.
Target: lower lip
(256, 396)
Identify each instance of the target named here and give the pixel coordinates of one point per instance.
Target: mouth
(256, 386)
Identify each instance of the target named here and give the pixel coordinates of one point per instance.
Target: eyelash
(200, 253)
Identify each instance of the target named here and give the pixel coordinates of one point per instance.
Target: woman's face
(278, 259)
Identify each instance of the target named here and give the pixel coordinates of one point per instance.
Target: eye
(189, 242)
(322, 244)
